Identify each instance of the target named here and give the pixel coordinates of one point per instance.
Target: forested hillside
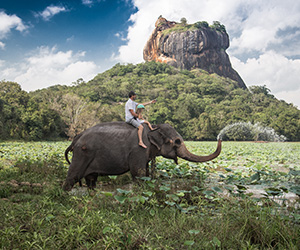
(196, 103)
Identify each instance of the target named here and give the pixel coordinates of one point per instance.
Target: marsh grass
(175, 210)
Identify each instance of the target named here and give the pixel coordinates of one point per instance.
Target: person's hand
(153, 101)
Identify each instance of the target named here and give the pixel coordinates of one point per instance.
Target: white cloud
(70, 39)
(51, 11)
(2, 45)
(255, 38)
(8, 23)
(290, 97)
(120, 35)
(251, 24)
(259, 53)
(87, 2)
(90, 3)
(277, 72)
(47, 67)
(263, 20)
(148, 12)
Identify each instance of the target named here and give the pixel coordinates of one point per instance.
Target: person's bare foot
(142, 145)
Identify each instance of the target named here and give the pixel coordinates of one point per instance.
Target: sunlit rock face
(189, 47)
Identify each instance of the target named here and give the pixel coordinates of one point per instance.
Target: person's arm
(147, 103)
(132, 107)
(133, 113)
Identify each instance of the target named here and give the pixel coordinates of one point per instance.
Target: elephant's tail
(70, 148)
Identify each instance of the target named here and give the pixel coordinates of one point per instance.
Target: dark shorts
(134, 122)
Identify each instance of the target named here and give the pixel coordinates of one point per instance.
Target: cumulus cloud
(262, 23)
(264, 35)
(272, 69)
(148, 12)
(252, 25)
(8, 23)
(51, 11)
(48, 66)
(290, 97)
(277, 72)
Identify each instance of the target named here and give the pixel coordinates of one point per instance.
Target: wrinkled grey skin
(112, 149)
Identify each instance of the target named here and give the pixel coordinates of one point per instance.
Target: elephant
(112, 149)
(90, 180)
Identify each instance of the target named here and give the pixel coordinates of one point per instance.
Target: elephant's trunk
(183, 153)
(68, 184)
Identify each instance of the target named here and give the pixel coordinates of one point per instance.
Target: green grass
(187, 206)
(178, 28)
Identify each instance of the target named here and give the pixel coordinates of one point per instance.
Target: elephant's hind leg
(91, 180)
(77, 168)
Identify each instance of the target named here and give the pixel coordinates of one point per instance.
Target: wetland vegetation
(247, 198)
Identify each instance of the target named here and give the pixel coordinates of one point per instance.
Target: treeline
(196, 103)
(23, 117)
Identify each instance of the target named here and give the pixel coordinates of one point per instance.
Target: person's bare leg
(149, 125)
(140, 134)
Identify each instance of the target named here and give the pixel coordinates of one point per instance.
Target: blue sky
(82, 32)
(45, 42)
(67, 25)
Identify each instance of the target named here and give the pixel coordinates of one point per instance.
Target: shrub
(218, 26)
(246, 131)
(183, 21)
(202, 24)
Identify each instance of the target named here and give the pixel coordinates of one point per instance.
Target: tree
(260, 90)
(76, 112)
(202, 24)
(218, 26)
(183, 21)
(196, 103)
(12, 94)
(14, 101)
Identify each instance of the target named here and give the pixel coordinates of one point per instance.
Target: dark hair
(131, 93)
(138, 110)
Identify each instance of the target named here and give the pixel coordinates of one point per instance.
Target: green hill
(196, 103)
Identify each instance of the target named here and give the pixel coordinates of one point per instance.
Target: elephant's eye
(177, 142)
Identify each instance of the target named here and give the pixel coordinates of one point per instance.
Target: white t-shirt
(129, 105)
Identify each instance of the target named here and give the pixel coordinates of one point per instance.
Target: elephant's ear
(155, 138)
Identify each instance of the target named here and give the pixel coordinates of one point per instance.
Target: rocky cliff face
(189, 47)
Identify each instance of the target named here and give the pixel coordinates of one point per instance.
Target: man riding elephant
(131, 116)
(111, 149)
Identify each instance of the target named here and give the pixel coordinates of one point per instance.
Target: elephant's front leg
(147, 169)
(138, 168)
(153, 168)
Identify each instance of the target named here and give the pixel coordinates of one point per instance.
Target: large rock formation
(191, 46)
